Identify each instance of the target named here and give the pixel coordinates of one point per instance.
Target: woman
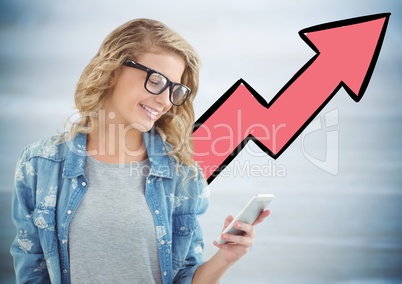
(117, 197)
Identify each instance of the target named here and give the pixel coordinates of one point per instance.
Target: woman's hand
(212, 270)
(239, 245)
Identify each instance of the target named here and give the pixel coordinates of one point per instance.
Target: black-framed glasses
(156, 83)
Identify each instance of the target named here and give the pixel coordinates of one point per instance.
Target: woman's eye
(156, 80)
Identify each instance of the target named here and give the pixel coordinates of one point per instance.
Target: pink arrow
(347, 52)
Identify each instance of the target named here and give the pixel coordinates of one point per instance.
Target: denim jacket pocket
(183, 230)
(45, 221)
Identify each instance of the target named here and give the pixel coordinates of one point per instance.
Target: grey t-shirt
(112, 234)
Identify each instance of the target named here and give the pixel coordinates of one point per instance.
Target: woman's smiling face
(131, 103)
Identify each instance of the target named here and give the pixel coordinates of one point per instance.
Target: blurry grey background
(324, 228)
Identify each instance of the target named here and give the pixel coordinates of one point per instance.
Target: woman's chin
(143, 127)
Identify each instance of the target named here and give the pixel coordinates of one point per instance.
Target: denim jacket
(50, 183)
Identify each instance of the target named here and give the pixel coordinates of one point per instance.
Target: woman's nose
(163, 98)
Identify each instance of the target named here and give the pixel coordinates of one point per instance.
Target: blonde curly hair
(130, 41)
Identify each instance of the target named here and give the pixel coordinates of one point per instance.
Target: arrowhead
(349, 48)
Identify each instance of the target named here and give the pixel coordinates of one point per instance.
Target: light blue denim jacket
(50, 184)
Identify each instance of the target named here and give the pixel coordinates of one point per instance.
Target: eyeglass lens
(179, 94)
(157, 82)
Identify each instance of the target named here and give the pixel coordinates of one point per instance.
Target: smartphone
(248, 214)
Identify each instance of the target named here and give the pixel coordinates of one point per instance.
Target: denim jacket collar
(74, 163)
(157, 154)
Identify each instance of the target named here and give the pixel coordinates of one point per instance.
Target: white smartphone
(248, 214)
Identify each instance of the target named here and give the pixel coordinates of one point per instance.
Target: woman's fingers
(238, 240)
(262, 216)
(228, 220)
(245, 239)
(239, 245)
(249, 232)
(247, 228)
